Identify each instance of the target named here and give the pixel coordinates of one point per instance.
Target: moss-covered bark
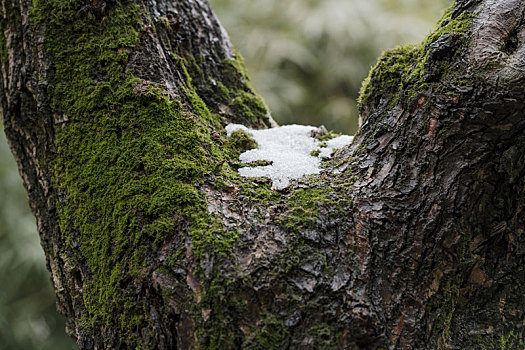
(410, 238)
(138, 116)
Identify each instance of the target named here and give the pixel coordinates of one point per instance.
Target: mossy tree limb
(410, 238)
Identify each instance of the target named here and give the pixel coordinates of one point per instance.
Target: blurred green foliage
(307, 58)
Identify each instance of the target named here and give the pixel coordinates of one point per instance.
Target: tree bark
(411, 238)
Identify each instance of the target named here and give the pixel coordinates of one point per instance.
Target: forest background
(307, 58)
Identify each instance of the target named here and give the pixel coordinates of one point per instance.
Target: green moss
(324, 336)
(224, 307)
(270, 334)
(241, 141)
(274, 329)
(510, 340)
(409, 76)
(260, 191)
(401, 73)
(249, 106)
(129, 157)
(446, 24)
(304, 204)
(236, 92)
(225, 93)
(259, 163)
(447, 303)
(328, 135)
(385, 77)
(301, 210)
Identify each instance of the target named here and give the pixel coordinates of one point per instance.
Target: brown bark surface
(411, 238)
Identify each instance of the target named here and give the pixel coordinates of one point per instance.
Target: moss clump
(218, 313)
(324, 337)
(240, 142)
(511, 340)
(386, 75)
(249, 106)
(258, 163)
(272, 333)
(401, 73)
(449, 295)
(234, 95)
(447, 25)
(328, 135)
(236, 92)
(304, 205)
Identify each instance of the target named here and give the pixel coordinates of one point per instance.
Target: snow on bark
(291, 149)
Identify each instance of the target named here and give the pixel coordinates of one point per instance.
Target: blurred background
(307, 58)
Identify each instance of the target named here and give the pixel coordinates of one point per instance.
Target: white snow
(335, 143)
(289, 149)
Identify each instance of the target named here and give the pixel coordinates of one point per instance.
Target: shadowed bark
(411, 238)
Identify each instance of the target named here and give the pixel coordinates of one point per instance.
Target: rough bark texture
(412, 238)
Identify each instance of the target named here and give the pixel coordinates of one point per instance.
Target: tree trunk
(411, 238)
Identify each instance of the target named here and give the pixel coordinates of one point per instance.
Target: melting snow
(289, 148)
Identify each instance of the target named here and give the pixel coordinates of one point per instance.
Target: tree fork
(410, 238)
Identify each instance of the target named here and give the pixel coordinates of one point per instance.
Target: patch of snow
(289, 148)
(335, 143)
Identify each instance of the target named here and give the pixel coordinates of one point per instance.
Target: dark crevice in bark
(511, 43)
